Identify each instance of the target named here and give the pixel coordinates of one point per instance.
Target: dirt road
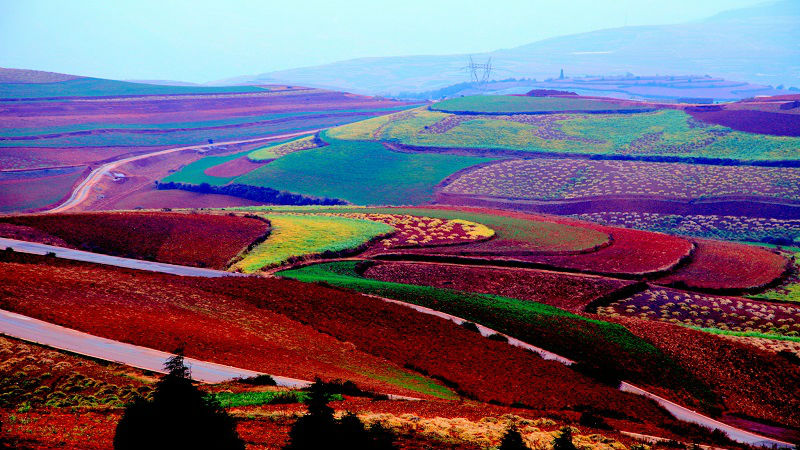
(82, 191)
(79, 255)
(34, 330)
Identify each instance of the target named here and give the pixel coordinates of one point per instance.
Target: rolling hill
(738, 45)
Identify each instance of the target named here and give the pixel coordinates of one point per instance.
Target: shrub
(564, 440)
(470, 326)
(589, 419)
(258, 380)
(498, 337)
(319, 429)
(512, 440)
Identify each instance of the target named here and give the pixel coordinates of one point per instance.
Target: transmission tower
(479, 73)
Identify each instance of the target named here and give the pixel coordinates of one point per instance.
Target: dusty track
(81, 192)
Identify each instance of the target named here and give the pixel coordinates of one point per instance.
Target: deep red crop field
(253, 323)
(233, 168)
(164, 313)
(567, 291)
(752, 121)
(717, 265)
(199, 240)
(751, 382)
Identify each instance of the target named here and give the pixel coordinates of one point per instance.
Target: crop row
(709, 311)
(558, 179)
(733, 228)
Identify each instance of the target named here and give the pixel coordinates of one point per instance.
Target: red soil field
(717, 265)
(254, 323)
(164, 313)
(752, 121)
(199, 240)
(567, 291)
(150, 198)
(233, 168)
(36, 190)
(751, 382)
(40, 157)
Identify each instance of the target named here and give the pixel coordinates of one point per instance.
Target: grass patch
(239, 399)
(360, 172)
(508, 104)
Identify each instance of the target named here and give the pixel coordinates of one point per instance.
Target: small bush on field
(498, 337)
(564, 440)
(258, 380)
(470, 326)
(589, 419)
(512, 440)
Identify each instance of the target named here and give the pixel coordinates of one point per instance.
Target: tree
(564, 440)
(319, 429)
(179, 415)
(512, 440)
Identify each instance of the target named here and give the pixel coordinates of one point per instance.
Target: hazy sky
(197, 40)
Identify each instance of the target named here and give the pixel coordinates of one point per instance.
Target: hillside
(737, 45)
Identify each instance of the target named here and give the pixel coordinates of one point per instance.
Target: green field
(302, 236)
(364, 173)
(608, 347)
(665, 133)
(194, 173)
(252, 398)
(507, 104)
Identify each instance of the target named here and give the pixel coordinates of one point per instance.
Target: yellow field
(296, 237)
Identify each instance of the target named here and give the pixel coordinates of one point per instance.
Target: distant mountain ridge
(759, 44)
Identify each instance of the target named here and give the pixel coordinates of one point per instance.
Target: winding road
(128, 263)
(81, 192)
(34, 330)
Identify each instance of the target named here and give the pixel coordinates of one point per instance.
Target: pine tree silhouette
(564, 440)
(512, 440)
(178, 416)
(318, 429)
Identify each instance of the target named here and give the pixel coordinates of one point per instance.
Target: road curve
(83, 189)
(40, 332)
(80, 255)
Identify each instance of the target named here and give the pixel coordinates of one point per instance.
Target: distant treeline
(255, 193)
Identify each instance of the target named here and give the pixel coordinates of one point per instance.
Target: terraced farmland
(659, 134)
